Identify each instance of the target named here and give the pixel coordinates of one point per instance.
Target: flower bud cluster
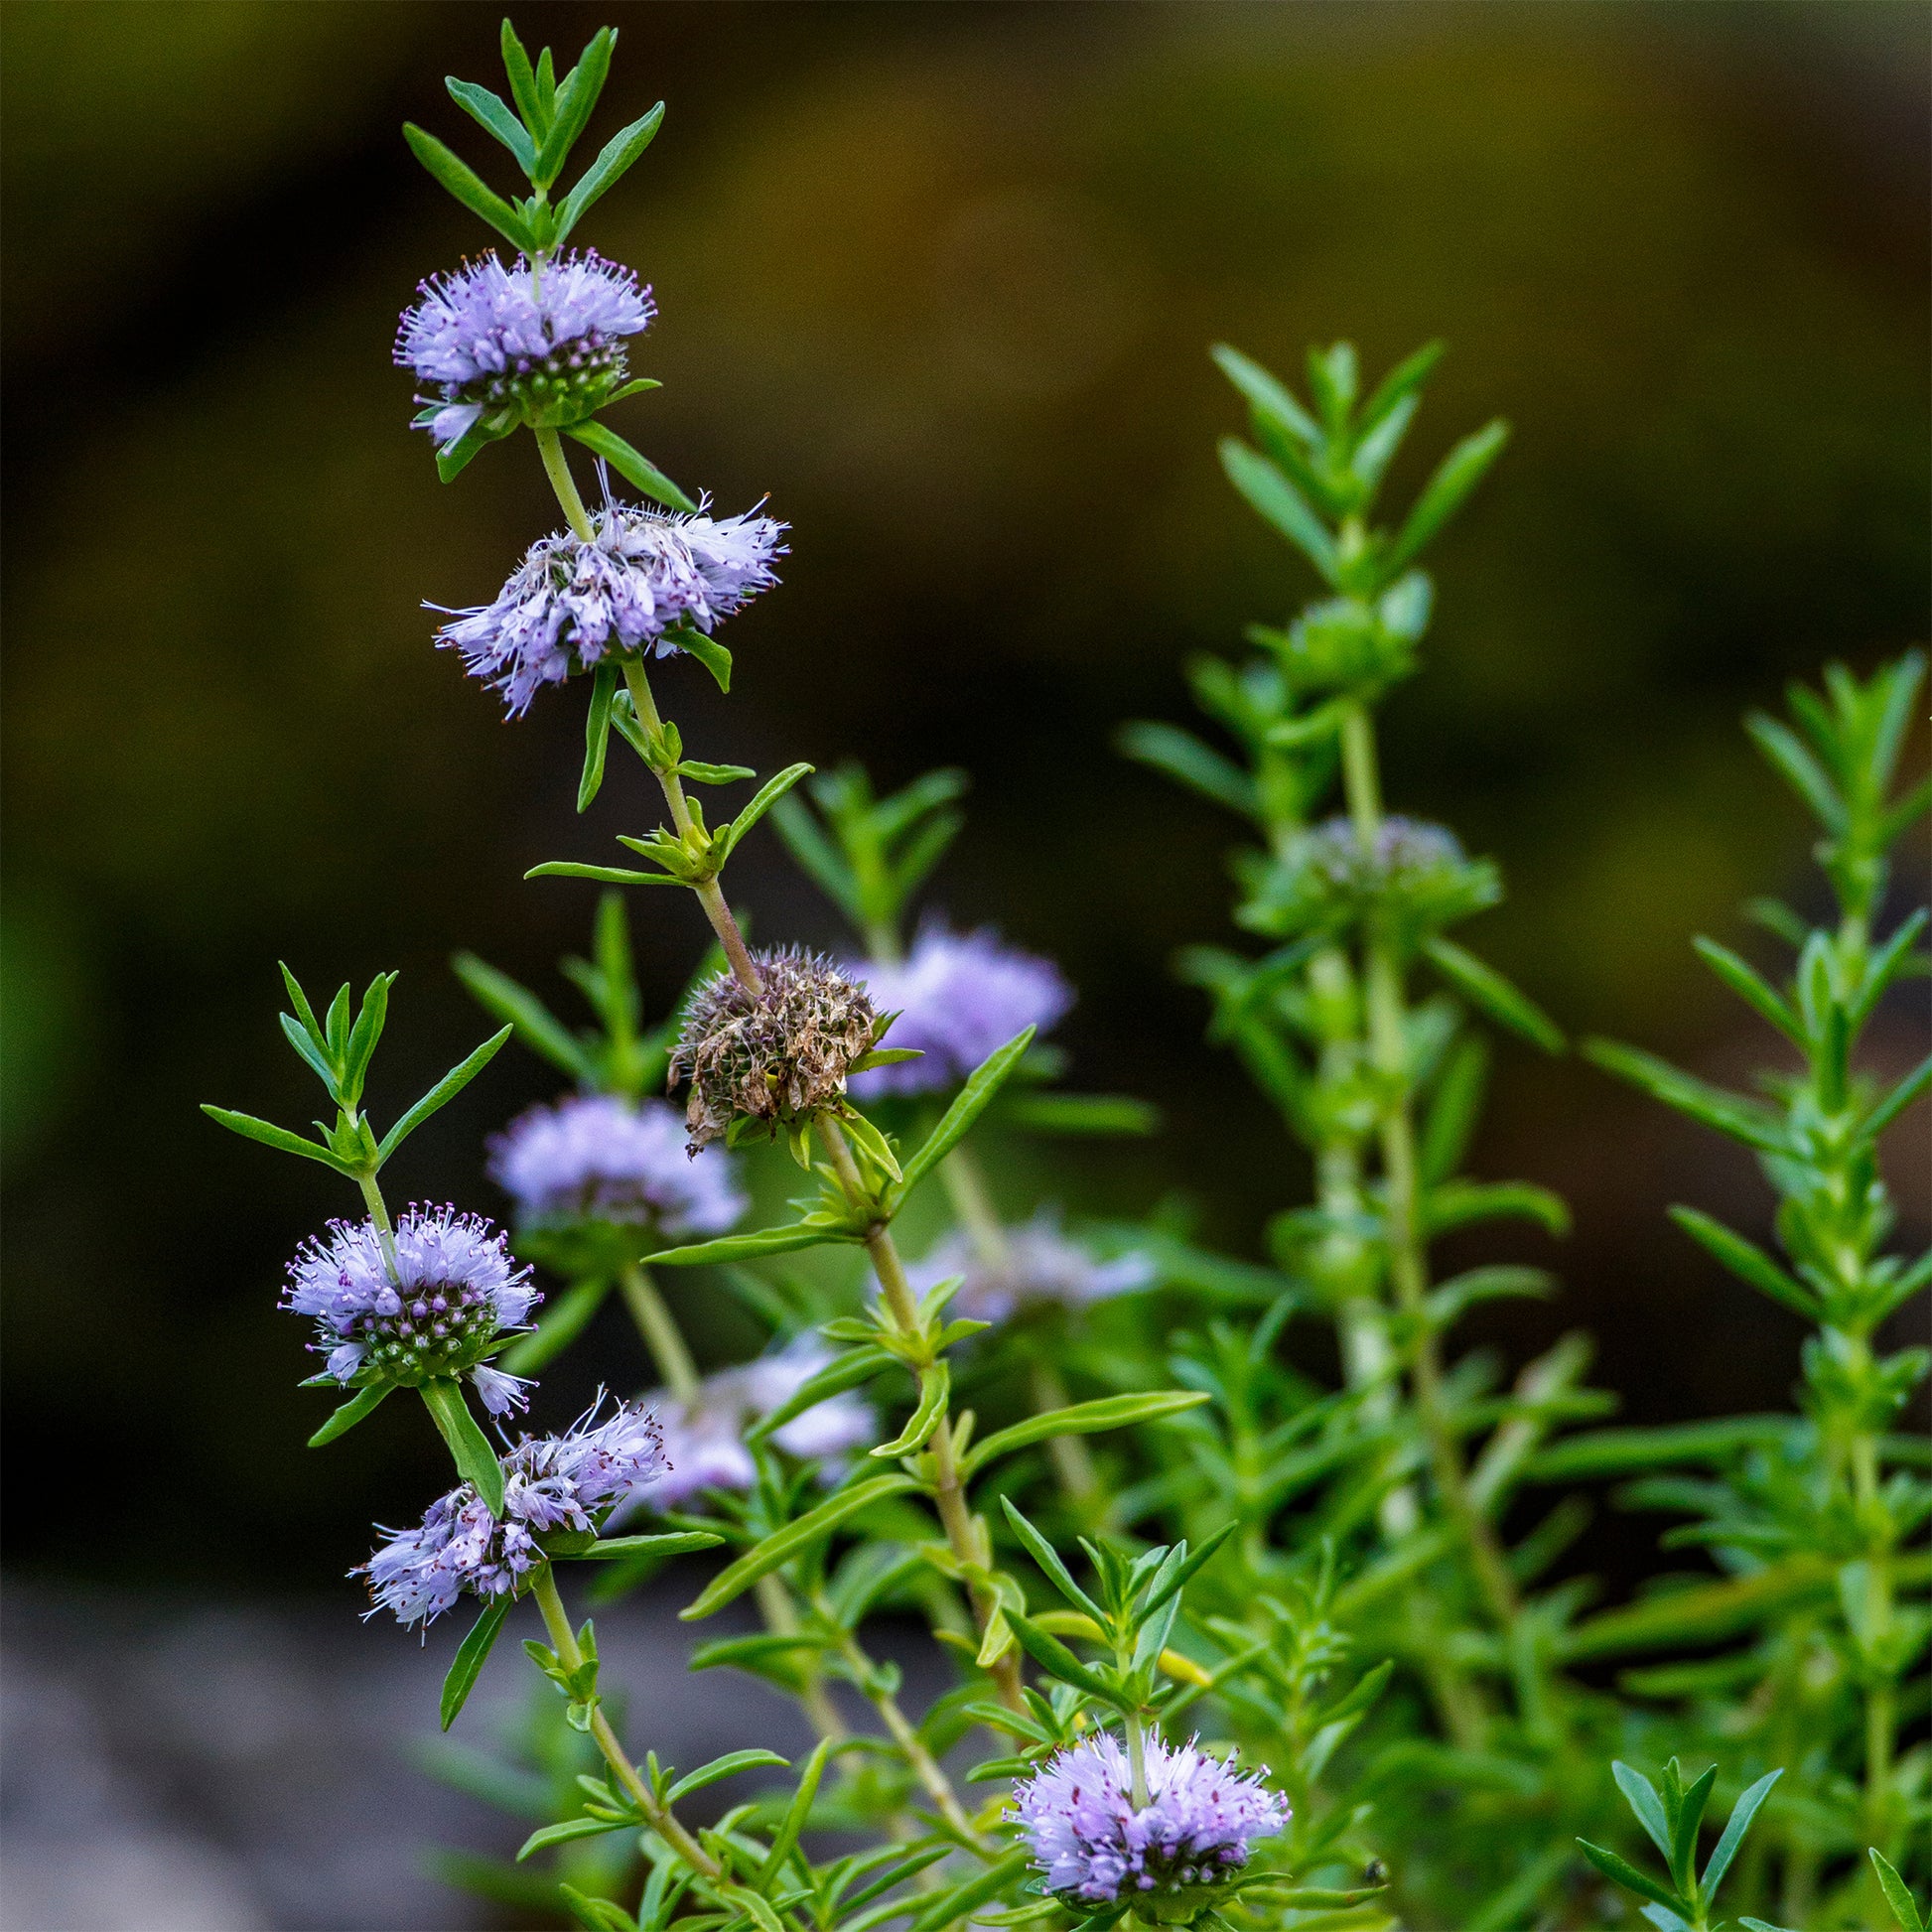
(776, 1056)
(1412, 878)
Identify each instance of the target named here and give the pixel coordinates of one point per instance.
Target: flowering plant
(1234, 1646)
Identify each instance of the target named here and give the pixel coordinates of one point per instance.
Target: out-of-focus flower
(547, 346)
(436, 1308)
(1412, 877)
(1042, 1265)
(705, 1440)
(958, 996)
(1095, 1845)
(641, 578)
(776, 1056)
(551, 1482)
(599, 1158)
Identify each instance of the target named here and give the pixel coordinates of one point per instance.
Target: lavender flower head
(551, 1482)
(543, 346)
(1042, 1265)
(453, 1294)
(705, 1438)
(1096, 1847)
(595, 1157)
(958, 997)
(641, 577)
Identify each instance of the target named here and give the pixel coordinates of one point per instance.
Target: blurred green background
(940, 279)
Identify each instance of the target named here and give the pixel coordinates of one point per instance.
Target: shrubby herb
(1258, 1650)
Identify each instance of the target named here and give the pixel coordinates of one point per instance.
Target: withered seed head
(776, 1056)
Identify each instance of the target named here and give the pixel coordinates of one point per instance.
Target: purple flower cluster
(643, 574)
(1094, 1844)
(705, 1438)
(542, 342)
(595, 1157)
(434, 1305)
(551, 1482)
(1041, 1265)
(958, 996)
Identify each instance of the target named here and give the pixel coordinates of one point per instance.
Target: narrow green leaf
(523, 82)
(468, 188)
(793, 1822)
(1749, 985)
(364, 1036)
(766, 797)
(470, 1656)
(672, 1543)
(636, 468)
(727, 1766)
(1741, 1814)
(1764, 1926)
(1080, 1113)
(1902, 1097)
(1185, 758)
(314, 1056)
(870, 1142)
(1486, 989)
(1748, 1262)
(455, 457)
(1744, 1119)
(266, 1132)
(1684, 1840)
(1455, 1106)
(1051, 1563)
(1627, 1875)
(710, 653)
(1444, 495)
(784, 1544)
(817, 856)
(846, 1371)
(714, 775)
(1268, 394)
(1080, 1419)
(489, 112)
(1052, 1656)
(536, 1026)
(959, 1900)
(1401, 383)
(1276, 500)
(571, 1828)
(935, 1384)
(571, 109)
(1786, 751)
(361, 1404)
(440, 1095)
(971, 1101)
(609, 168)
(603, 875)
(1903, 1907)
(476, 1461)
(748, 1247)
(597, 732)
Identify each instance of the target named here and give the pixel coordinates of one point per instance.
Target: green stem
(385, 1233)
(660, 1331)
(1137, 1760)
(557, 468)
(563, 1640)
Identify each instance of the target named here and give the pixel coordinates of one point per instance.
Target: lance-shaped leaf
(596, 733)
(1275, 500)
(453, 458)
(1267, 393)
(847, 1371)
(490, 112)
(1741, 1814)
(571, 1828)
(971, 1101)
(1903, 1907)
(1902, 1097)
(1444, 495)
(470, 1656)
(1185, 758)
(1744, 1119)
(603, 875)
(710, 653)
(560, 1324)
(1080, 1419)
(764, 799)
(1081, 1113)
(1489, 992)
(609, 168)
(269, 1135)
(727, 1766)
(536, 1025)
(359, 1405)
(635, 467)
(784, 1544)
(935, 1382)
(468, 188)
(957, 1901)
(440, 1095)
(1627, 1875)
(570, 111)
(1052, 1656)
(1749, 1262)
(1051, 1563)
(1751, 987)
(750, 1246)
(523, 81)
(668, 1543)
(476, 1461)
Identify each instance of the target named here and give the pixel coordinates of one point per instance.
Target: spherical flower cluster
(631, 586)
(1094, 1844)
(1413, 876)
(705, 1438)
(544, 345)
(775, 1056)
(598, 1158)
(958, 997)
(433, 1300)
(1042, 1265)
(551, 1482)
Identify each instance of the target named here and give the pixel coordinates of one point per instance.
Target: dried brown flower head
(776, 1056)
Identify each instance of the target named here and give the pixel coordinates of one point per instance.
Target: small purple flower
(1042, 1265)
(705, 1440)
(434, 1305)
(958, 997)
(1094, 1844)
(551, 1482)
(595, 1157)
(546, 346)
(645, 576)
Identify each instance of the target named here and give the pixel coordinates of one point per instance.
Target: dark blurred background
(940, 279)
